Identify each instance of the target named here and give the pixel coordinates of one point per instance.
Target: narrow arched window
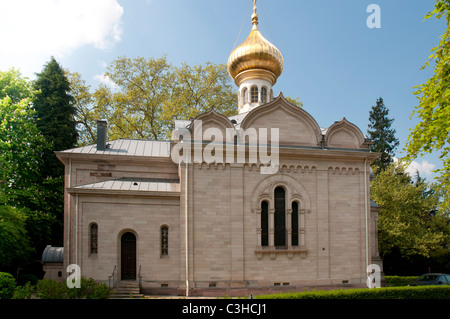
(93, 234)
(294, 223)
(264, 95)
(254, 94)
(245, 95)
(164, 240)
(264, 223)
(280, 216)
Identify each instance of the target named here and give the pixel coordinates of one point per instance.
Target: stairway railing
(112, 277)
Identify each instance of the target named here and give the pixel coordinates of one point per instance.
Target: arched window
(245, 95)
(294, 223)
(280, 217)
(164, 240)
(264, 223)
(93, 234)
(264, 95)
(254, 94)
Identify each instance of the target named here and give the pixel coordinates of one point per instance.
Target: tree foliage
(54, 115)
(382, 134)
(145, 95)
(54, 118)
(21, 149)
(21, 143)
(409, 220)
(15, 245)
(432, 133)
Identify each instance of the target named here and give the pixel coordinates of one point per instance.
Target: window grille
(254, 94)
(164, 241)
(94, 238)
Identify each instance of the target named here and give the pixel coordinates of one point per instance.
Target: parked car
(432, 279)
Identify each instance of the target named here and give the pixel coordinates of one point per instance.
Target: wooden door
(128, 256)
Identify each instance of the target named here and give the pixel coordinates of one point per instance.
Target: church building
(174, 218)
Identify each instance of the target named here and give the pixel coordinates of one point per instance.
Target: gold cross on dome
(254, 3)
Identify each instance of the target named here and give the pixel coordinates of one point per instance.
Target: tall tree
(134, 106)
(382, 134)
(55, 114)
(148, 94)
(22, 191)
(85, 112)
(409, 220)
(432, 133)
(198, 89)
(21, 143)
(55, 120)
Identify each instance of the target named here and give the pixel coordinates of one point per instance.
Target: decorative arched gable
(344, 134)
(296, 126)
(206, 124)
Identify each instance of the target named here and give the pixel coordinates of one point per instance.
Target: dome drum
(255, 74)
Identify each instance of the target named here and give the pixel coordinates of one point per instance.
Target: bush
(7, 285)
(421, 292)
(24, 292)
(89, 289)
(50, 289)
(399, 281)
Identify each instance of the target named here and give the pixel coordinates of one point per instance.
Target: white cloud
(425, 168)
(32, 30)
(103, 78)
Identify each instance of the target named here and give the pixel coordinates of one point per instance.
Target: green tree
(15, 244)
(21, 149)
(54, 115)
(134, 108)
(295, 101)
(21, 143)
(432, 133)
(380, 131)
(196, 90)
(148, 94)
(55, 120)
(85, 113)
(409, 220)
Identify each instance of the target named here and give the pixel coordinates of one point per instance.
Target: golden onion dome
(255, 58)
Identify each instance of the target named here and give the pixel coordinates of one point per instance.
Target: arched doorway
(128, 256)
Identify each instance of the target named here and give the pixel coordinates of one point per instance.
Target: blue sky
(334, 63)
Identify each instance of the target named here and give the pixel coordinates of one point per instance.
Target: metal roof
(53, 254)
(129, 147)
(135, 184)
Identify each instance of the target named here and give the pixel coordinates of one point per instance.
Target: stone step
(126, 290)
(126, 296)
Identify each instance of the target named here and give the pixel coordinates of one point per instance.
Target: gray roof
(135, 184)
(130, 147)
(53, 254)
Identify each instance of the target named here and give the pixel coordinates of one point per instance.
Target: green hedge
(398, 281)
(421, 292)
(51, 289)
